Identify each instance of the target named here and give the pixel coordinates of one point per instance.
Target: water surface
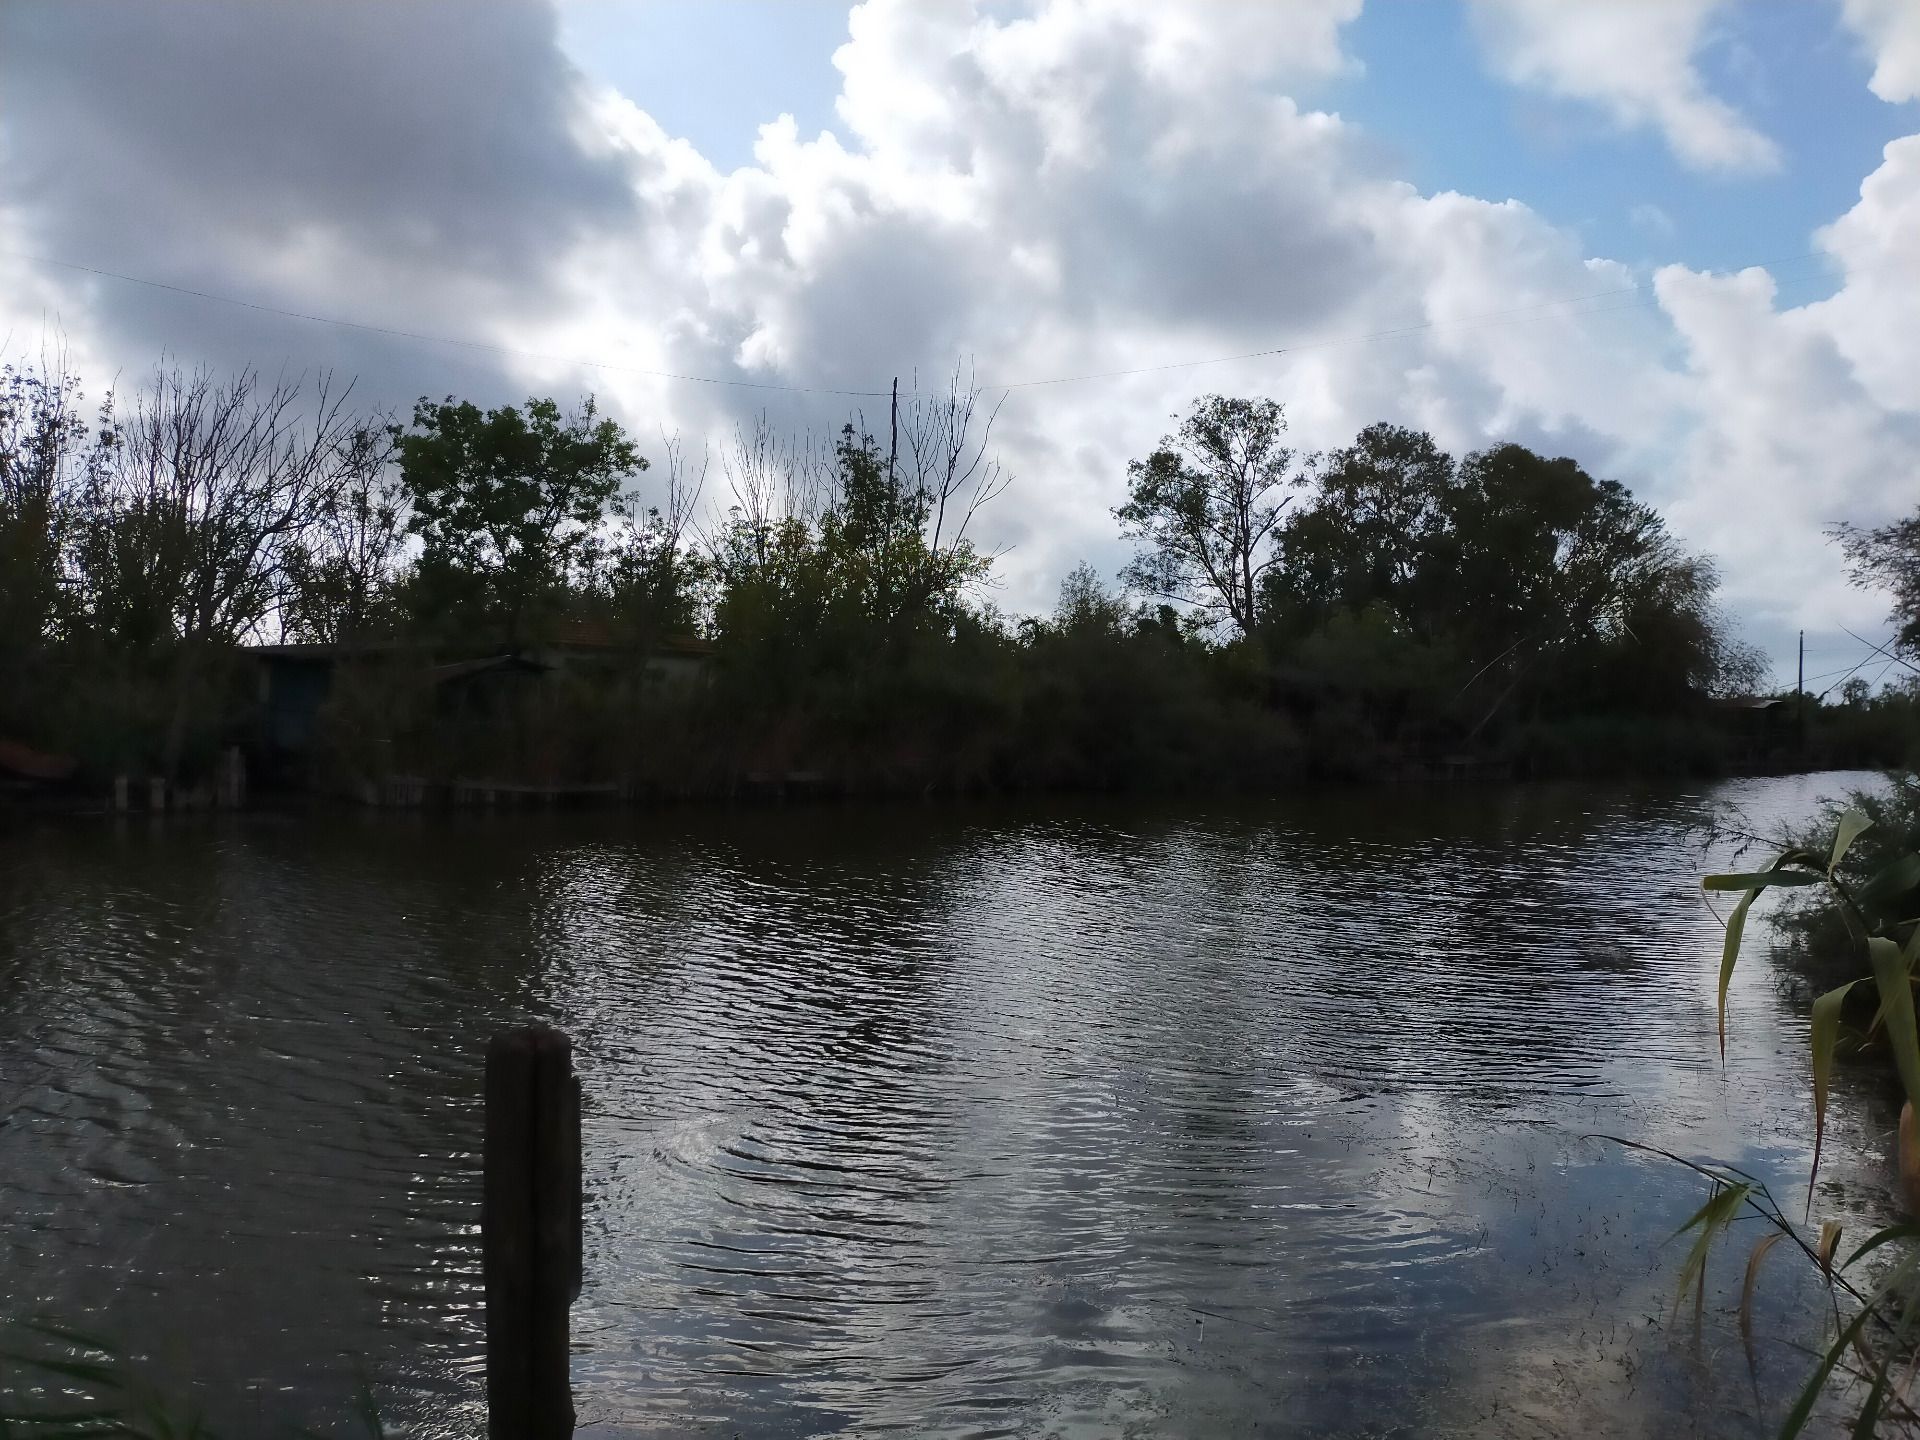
(1067, 1119)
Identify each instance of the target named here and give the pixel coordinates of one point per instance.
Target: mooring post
(231, 792)
(530, 1231)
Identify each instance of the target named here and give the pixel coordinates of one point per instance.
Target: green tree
(1204, 507)
(1888, 558)
(1087, 606)
(880, 544)
(43, 445)
(1508, 581)
(843, 558)
(1366, 536)
(507, 504)
(1537, 564)
(1536, 553)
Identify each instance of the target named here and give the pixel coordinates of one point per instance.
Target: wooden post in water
(230, 792)
(530, 1231)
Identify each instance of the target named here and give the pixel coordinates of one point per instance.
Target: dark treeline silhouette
(1286, 615)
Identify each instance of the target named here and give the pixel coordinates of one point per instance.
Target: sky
(1678, 240)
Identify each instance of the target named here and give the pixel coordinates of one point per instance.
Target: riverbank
(755, 788)
(684, 752)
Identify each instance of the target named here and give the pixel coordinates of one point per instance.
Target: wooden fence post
(530, 1225)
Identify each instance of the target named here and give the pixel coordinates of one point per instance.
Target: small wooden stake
(530, 1231)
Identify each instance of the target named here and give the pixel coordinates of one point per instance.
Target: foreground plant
(1875, 1343)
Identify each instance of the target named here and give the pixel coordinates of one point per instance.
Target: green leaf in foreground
(1824, 1034)
(1730, 952)
(1803, 1407)
(1896, 1004)
(1757, 880)
(1753, 883)
(1829, 1242)
(1869, 1419)
(1761, 1247)
(1906, 1230)
(1709, 1220)
(1851, 825)
(1850, 1336)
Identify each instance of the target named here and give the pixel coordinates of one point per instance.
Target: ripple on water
(999, 1122)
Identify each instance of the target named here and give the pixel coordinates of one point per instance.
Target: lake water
(1072, 1119)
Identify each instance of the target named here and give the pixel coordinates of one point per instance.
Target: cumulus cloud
(1037, 192)
(1805, 416)
(316, 157)
(1635, 59)
(1061, 189)
(1891, 31)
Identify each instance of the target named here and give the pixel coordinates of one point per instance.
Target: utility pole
(1800, 695)
(893, 495)
(893, 430)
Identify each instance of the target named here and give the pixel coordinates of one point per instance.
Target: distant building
(1763, 728)
(296, 680)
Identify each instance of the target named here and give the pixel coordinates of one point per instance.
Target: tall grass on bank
(1871, 891)
(1816, 942)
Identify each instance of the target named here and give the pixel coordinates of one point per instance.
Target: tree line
(1285, 613)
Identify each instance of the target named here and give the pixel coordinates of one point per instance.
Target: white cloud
(1875, 318)
(1635, 59)
(1891, 31)
(1039, 192)
(1805, 416)
(1065, 189)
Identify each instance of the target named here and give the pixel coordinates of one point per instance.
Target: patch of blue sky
(1426, 95)
(714, 71)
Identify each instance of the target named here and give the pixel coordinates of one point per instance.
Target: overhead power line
(1885, 647)
(1512, 314)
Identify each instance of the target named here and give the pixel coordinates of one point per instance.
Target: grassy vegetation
(1858, 874)
(1815, 940)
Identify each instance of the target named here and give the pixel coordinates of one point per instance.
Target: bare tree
(686, 483)
(652, 575)
(774, 479)
(948, 438)
(208, 487)
(336, 578)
